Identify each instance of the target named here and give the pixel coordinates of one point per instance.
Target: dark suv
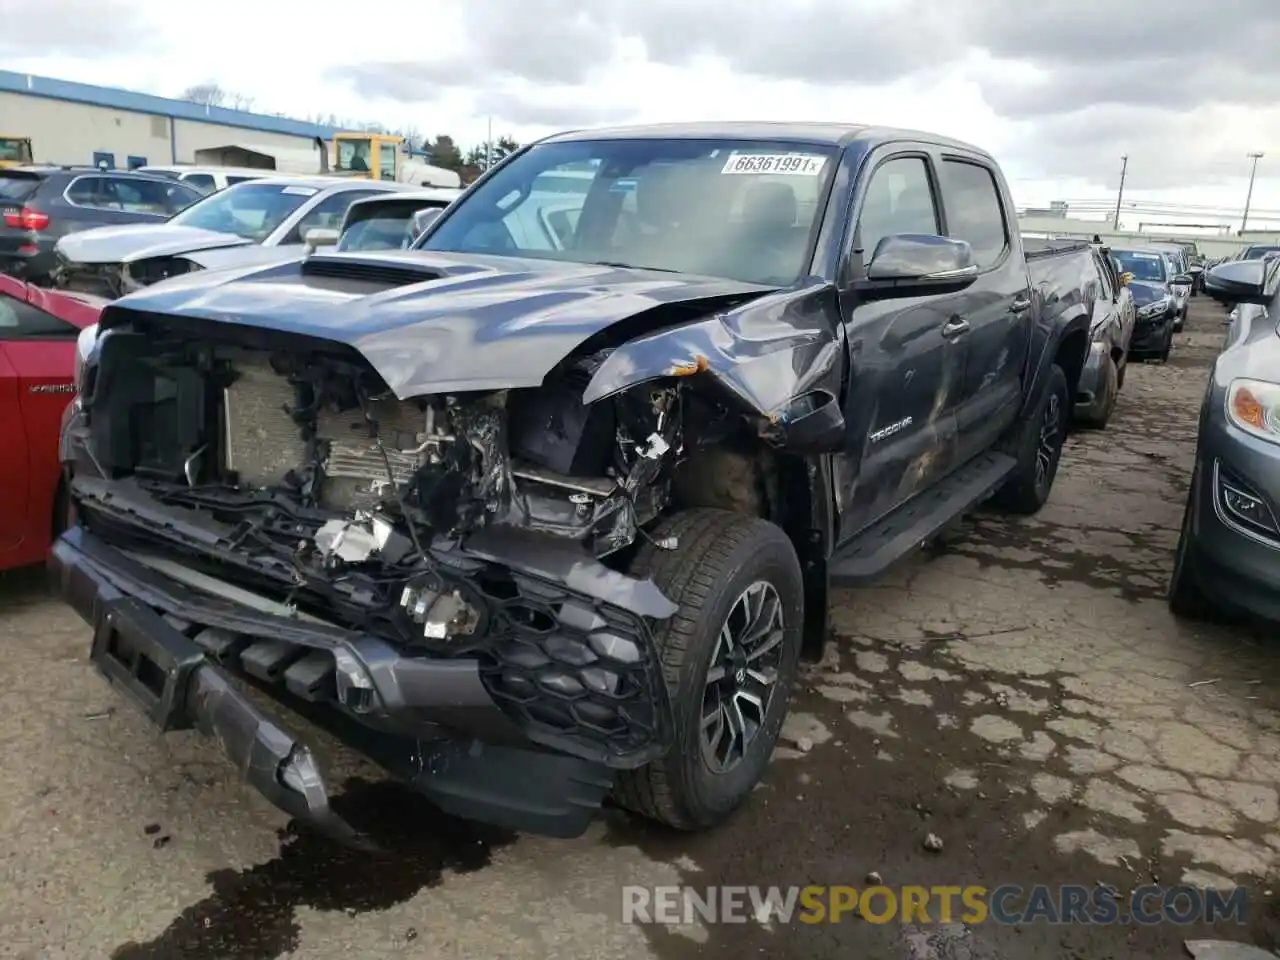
(39, 205)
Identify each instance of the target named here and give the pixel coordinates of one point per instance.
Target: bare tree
(208, 94)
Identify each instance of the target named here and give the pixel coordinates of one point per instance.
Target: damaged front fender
(779, 357)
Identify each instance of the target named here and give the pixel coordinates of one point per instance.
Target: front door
(906, 362)
(995, 307)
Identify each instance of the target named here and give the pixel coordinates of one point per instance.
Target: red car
(38, 331)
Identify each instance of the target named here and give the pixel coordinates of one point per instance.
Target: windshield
(1143, 266)
(249, 210)
(741, 209)
(355, 156)
(15, 149)
(1259, 253)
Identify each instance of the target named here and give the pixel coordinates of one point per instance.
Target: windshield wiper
(631, 266)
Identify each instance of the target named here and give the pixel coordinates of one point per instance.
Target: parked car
(209, 179)
(262, 221)
(41, 205)
(1260, 251)
(1153, 299)
(1110, 333)
(390, 222)
(1181, 282)
(543, 522)
(1229, 548)
(38, 332)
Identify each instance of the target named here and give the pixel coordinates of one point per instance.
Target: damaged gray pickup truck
(546, 510)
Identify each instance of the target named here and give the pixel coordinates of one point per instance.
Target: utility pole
(1248, 198)
(1124, 168)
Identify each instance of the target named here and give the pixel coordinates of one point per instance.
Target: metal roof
(111, 97)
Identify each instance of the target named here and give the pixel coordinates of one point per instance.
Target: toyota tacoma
(546, 509)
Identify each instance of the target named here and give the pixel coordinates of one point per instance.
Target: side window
(327, 214)
(201, 181)
(974, 211)
(88, 192)
(22, 321)
(387, 162)
(898, 200)
(141, 196)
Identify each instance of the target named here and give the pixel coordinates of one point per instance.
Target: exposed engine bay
(337, 492)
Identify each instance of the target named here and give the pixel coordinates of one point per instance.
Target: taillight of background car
(26, 219)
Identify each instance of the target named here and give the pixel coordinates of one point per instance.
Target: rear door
(37, 363)
(993, 308)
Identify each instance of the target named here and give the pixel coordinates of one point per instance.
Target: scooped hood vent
(397, 275)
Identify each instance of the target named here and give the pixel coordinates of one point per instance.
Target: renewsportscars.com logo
(1005, 904)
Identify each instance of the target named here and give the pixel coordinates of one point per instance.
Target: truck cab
(15, 151)
(369, 156)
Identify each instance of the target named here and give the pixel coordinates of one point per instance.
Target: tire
(1027, 488)
(720, 555)
(1167, 346)
(1123, 369)
(1186, 598)
(1111, 391)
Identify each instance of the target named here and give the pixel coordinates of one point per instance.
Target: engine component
(442, 614)
(551, 427)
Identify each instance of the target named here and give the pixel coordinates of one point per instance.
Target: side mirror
(911, 264)
(1239, 281)
(319, 237)
(424, 218)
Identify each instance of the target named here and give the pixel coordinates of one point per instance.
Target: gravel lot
(1021, 691)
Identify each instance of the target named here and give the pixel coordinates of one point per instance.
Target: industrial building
(76, 123)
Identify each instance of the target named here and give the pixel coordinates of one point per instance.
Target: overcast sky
(1058, 90)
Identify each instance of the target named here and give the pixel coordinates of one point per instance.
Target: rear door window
(974, 211)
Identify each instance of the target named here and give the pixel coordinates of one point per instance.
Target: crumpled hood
(436, 322)
(1145, 292)
(140, 241)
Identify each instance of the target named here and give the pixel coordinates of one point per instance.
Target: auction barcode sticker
(793, 164)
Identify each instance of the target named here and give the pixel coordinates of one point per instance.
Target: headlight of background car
(1254, 407)
(84, 349)
(1154, 309)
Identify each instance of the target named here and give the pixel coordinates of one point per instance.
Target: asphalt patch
(840, 815)
(252, 914)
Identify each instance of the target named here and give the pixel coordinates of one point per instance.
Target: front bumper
(1234, 563)
(182, 654)
(1149, 335)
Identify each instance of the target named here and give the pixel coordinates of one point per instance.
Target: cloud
(560, 112)
(76, 28)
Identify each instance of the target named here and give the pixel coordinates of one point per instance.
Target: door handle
(1020, 305)
(955, 327)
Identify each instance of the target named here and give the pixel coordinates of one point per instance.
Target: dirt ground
(1020, 690)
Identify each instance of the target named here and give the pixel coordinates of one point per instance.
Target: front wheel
(1167, 346)
(1107, 395)
(1036, 444)
(729, 656)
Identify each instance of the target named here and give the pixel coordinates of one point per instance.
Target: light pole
(1248, 197)
(1124, 168)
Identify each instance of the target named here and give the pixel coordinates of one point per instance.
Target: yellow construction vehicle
(14, 151)
(378, 156)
